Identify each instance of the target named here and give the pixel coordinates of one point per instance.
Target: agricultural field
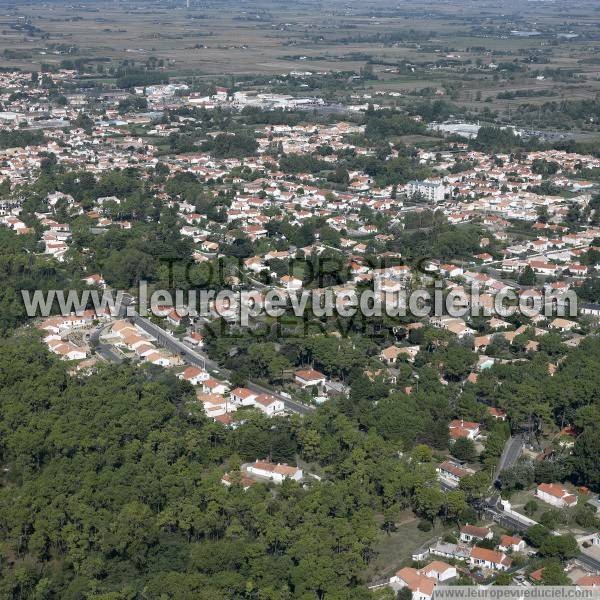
(440, 50)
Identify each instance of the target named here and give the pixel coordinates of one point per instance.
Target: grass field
(395, 549)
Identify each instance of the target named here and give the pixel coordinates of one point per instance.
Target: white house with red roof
(416, 581)
(291, 283)
(194, 375)
(544, 268)
(213, 386)
(176, 318)
(227, 480)
(489, 559)
(439, 570)
(511, 543)
(472, 533)
(309, 377)
(497, 413)
(95, 279)
(556, 495)
(66, 350)
(195, 339)
(242, 396)
(275, 472)
(215, 405)
(269, 405)
(452, 473)
(589, 581)
(460, 428)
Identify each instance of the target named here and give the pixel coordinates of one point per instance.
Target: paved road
(510, 454)
(494, 508)
(588, 561)
(198, 359)
(170, 342)
(547, 254)
(105, 351)
(507, 521)
(190, 355)
(108, 353)
(291, 405)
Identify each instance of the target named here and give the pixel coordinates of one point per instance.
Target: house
(242, 397)
(439, 571)
(291, 283)
(194, 375)
(226, 419)
(227, 480)
(269, 405)
(454, 325)
(497, 413)
(145, 349)
(451, 472)
(511, 543)
(496, 323)
(449, 550)
(563, 324)
(590, 308)
(472, 378)
(410, 352)
(212, 386)
(274, 472)
(390, 355)
(95, 279)
(215, 405)
(58, 324)
(255, 264)
(309, 377)
(485, 257)
(555, 494)
(543, 268)
(451, 270)
(157, 358)
(589, 581)
(208, 246)
(577, 270)
(67, 350)
(472, 533)
(481, 342)
(419, 584)
(176, 319)
(536, 576)
(134, 340)
(489, 559)
(463, 429)
(194, 339)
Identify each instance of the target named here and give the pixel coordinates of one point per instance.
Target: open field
(394, 550)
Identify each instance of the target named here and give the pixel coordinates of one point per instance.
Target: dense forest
(21, 269)
(111, 484)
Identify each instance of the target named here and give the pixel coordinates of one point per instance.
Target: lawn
(395, 549)
(566, 524)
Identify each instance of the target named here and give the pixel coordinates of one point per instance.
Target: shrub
(425, 525)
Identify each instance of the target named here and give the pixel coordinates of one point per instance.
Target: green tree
(464, 449)
(428, 502)
(527, 277)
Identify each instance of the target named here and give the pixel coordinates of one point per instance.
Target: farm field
(439, 50)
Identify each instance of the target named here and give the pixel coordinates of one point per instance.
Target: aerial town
(220, 451)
